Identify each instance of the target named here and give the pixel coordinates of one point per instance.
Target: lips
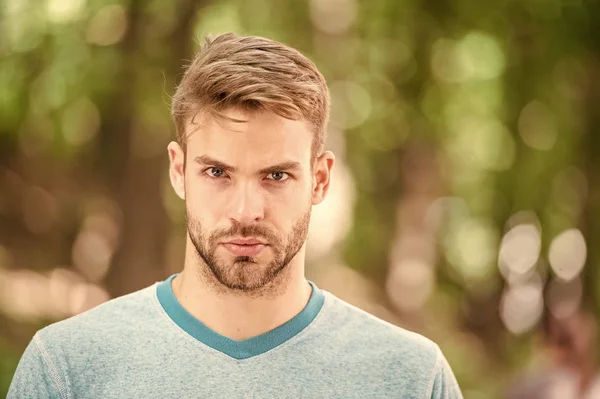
(245, 247)
(244, 241)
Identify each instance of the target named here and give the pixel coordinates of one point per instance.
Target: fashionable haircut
(252, 73)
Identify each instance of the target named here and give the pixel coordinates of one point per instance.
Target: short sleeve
(445, 385)
(36, 376)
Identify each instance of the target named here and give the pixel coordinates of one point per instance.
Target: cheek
(201, 203)
(288, 205)
(299, 191)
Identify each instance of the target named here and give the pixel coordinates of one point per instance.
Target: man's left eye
(278, 176)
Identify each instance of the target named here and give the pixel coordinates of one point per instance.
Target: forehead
(249, 139)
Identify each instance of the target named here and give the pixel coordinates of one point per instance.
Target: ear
(177, 168)
(322, 173)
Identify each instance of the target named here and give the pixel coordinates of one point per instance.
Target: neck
(240, 316)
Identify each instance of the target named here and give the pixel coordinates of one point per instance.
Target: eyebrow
(206, 160)
(282, 166)
(289, 165)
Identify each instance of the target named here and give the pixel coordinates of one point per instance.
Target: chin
(245, 259)
(231, 261)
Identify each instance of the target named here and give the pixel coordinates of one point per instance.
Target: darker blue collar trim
(238, 349)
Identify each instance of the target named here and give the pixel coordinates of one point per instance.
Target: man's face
(249, 189)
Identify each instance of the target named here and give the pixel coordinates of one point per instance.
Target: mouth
(245, 247)
(246, 241)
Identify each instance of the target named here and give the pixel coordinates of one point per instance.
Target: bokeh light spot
(81, 121)
(351, 104)
(537, 126)
(61, 11)
(107, 26)
(333, 16)
(522, 305)
(567, 254)
(519, 251)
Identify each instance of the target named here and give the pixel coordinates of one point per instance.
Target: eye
(278, 176)
(215, 172)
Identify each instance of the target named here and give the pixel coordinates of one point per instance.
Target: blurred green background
(466, 196)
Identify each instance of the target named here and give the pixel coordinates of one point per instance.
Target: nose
(247, 205)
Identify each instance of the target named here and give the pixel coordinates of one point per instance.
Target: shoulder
(365, 327)
(77, 343)
(375, 346)
(361, 332)
(116, 316)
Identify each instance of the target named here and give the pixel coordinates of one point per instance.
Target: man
(567, 368)
(240, 320)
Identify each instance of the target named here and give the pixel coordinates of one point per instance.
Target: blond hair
(252, 73)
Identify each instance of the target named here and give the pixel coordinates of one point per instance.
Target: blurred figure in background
(569, 347)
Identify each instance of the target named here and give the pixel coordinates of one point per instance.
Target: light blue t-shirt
(146, 345)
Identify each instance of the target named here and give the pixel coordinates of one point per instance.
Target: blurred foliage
(474, 112)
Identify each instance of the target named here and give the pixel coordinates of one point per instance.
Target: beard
(245, 274)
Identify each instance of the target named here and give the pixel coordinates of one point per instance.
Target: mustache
(239, 230)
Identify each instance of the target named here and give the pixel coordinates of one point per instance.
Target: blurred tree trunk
(137, 181)
(591, 213)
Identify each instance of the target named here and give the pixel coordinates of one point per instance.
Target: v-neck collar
(238, 349)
